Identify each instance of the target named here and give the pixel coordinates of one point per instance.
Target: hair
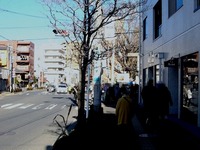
(123, 90)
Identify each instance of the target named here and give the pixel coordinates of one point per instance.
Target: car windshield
(64, 86)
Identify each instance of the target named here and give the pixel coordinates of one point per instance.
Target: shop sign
(171, 63)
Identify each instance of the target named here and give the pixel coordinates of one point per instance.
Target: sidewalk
(5, 93)
(170, 134)
(102, 133)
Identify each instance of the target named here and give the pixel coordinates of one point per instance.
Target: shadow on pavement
(100, 132)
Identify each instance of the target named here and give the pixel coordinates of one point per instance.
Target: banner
(3, 58)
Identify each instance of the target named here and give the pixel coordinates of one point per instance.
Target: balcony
(23, 68)
(22, 59)
(23, 49)
(54, 65)
(54, 60)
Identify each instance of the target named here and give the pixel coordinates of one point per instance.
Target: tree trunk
(81, 122)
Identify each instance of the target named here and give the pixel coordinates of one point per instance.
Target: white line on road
(51, 106)
(6, 105)
(63, 106)
(26, 106)
(13, 106)
(38, 106)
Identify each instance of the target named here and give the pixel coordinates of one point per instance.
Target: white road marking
(31, 106)
(63, 106)
(6, 105)
(51, 106)
(13, 106)
(26, 106)
(38, 106)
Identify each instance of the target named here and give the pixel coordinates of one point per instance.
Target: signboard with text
(123, 77)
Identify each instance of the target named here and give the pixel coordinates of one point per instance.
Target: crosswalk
(44, 106)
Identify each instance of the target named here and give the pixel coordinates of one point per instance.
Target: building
(55, 63)
(19, 59)
(72, 64)
(4, 67)
(170, 51)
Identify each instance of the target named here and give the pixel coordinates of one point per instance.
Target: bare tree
(84, 19)
(126, 44)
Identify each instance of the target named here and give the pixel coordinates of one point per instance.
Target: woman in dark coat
(164, 99)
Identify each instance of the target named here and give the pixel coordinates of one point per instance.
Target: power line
(39, 39)
(17, 13)
(25, 27)
(4, 37)
(23, 14)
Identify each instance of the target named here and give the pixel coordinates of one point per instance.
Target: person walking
(150, 103)
(189, 97)
(164, 100)
(124, 118)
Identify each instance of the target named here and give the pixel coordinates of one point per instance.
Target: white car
(62, 88)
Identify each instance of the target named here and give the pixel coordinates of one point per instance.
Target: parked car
(62, 88)
(51, 88)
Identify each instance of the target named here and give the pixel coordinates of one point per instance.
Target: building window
(144, 28)
(174, 5)
(196, 5)
(157, 19)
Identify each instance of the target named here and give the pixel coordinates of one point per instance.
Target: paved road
(26, 119)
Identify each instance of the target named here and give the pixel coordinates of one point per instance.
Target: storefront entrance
(190, 88)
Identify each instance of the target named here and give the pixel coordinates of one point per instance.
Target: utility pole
(97, 81)
(113, 64)
(11, 67)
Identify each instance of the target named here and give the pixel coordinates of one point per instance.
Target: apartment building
(170, 51)
(55, 63)
(18, 58)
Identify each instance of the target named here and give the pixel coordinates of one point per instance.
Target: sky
(26, 20)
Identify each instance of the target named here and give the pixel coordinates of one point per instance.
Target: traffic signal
(55, 31)
(60, 32)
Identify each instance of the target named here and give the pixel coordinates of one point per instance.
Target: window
(174, 5)
(157, 19)
(196, 5)
(144, 28)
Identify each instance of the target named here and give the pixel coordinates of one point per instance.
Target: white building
(170, 51)
(55, 66)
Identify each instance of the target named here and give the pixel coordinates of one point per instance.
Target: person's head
(160, 85)
(123, 90)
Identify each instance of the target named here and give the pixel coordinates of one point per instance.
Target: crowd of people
(156, 102)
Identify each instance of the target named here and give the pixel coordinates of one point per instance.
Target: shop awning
(190, 63)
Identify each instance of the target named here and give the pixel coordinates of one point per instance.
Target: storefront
(189, 100)
(181, 76)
